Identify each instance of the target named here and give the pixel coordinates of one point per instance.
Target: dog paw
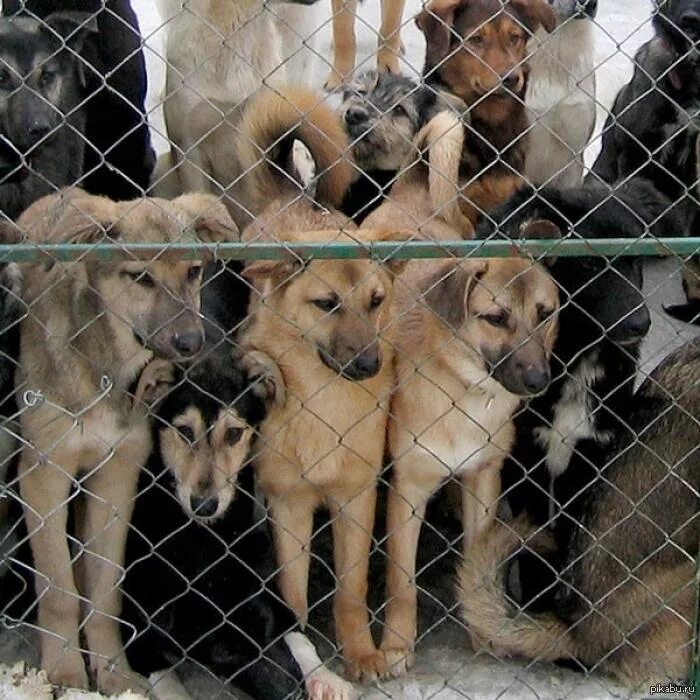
(155, 380)
(367, 668)
(333, 82)
(115, 679)
(388, 61)
(69, 672)
(265, 375)
(323, 684)
(398, 661)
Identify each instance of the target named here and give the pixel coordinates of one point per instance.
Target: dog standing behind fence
(628, 596)
(82, 345)
(560, 96)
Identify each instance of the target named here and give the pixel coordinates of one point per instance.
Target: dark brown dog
(477, 50)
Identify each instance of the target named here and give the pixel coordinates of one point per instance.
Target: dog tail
(485, 609)
(273, 127)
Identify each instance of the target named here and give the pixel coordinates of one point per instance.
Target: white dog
(222, 51)
(561, 96)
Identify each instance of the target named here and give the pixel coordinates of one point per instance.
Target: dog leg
(481, 492)
(414, 482)
(291, 527)
(45, 491)
(389, 47)
(111, 492)
(167, 686)
(353, 522)
(321, 683)
(344, 42)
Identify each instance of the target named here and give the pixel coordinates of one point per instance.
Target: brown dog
(345, 43)
(472, 339)
(91, 328)
(322, 323)
(477, 49)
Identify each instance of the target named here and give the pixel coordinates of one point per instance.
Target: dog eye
(496, 320)
(46, 77)
(543, 314)
(193, 273)
(5, 81)
(233, 435)
(475, 40)
(141, 277)
(328, 305)
(515, 39)
(186, 433)
(399, 111)
(376, 301)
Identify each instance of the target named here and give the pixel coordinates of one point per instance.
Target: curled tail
(489, 615)
(272, 123)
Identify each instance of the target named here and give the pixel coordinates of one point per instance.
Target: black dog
(119, 158)
(42, 120)
(563, 434)
(653, 125)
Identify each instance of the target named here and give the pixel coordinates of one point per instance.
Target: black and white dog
(118, 157)
(564, 434)
(200, 583)
(42, 121)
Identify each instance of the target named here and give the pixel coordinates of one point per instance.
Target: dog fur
(204, 70)
(81, 348)
(477, 50)
(690, 311)
(389, 46)
(472, 340)
(561, 96)
(628, 596)
(322, 324)
(190, 540)
(42, 120)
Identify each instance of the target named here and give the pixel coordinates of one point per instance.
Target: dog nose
(634, 327)
(364, 366)
(355, 116)
(589, 7)
(38, 129)
(204, 507)
(511, 82)
(188, 344)
(536, 379)
(690, 24)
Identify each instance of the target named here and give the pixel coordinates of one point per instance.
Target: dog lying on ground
(472, 340)
(205, 70)
(119, 158)
(199, 582)
(477, 50)
(382, 113)
(652, 128)
(81, 347)
(344, 43)
(627, 601)
(561, 96)
(563, 434)
(42, 120)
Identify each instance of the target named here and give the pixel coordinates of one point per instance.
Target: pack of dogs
(172, 426)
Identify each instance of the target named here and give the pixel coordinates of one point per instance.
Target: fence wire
(349, 351)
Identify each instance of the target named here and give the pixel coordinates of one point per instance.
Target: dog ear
(541, 229)
(302, 167)
(535, 14)
(436, 21)
(72, 27)
(10, 233)
(395, 265)
(279, 271)
(265, 377)
(447, 292)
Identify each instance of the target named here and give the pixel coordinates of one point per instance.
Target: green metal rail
(495, 248)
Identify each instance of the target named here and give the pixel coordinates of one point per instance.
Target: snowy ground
(446, 669)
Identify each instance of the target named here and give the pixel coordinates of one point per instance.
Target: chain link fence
(349, 350)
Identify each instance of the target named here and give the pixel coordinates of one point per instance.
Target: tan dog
(90, 330)
(322, 323)
(345, 44)
(478, 50)
(466, 354)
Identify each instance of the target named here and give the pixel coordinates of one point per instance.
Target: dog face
(382, 112)
(478, 48)
(41, 83)
(159, 301)
(338, 307)
(207, 427)
(678, 23)
(504, 312)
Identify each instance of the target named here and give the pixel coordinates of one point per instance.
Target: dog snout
(535, 378)
(690, 24)
(355, 116)
(188, 344)
(633, 327)
(512, 81)
(588, 8)
(204, 506)
(365, 365)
